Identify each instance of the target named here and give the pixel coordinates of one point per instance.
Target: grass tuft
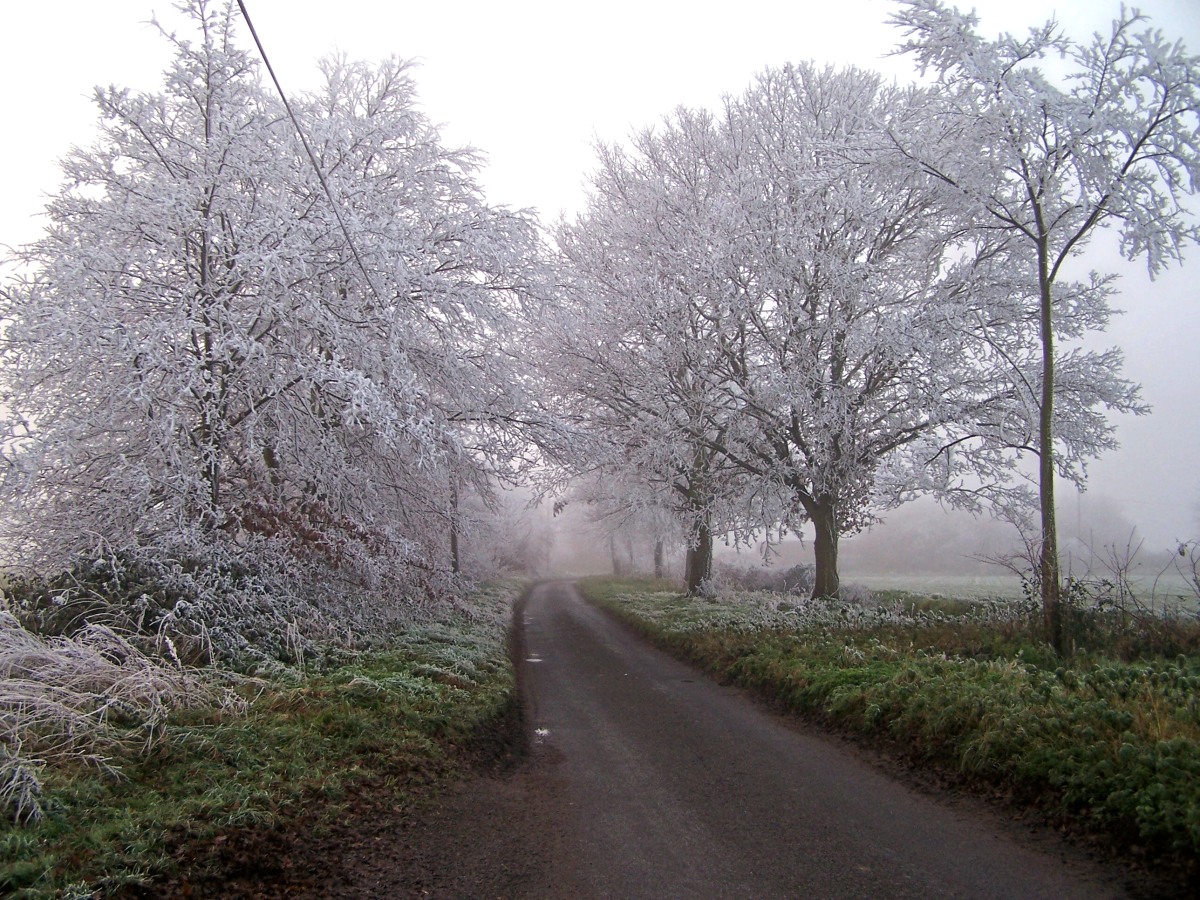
(394, 722)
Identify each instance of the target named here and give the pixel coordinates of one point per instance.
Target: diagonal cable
(312, 158)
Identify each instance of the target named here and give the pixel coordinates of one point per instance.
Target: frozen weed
(82, 698)
(750, 611)
(20, 789)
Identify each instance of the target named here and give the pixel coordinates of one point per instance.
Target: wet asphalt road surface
(664, 784)
(645, 779)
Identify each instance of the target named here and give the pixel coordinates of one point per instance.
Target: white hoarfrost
(770, 303)
(206, 377)
(83, 698)
(1042, 164)
(241, 400)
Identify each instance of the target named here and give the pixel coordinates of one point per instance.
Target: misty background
(534, 85)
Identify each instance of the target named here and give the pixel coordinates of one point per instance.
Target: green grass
(396, 723)
(1102, 739)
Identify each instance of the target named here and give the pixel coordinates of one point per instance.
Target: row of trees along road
(835, 293)
(827, 297)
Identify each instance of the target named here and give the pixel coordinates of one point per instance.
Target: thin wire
(312, 158)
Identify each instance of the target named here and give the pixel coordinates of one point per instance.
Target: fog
(534, 85)
(1098, 539)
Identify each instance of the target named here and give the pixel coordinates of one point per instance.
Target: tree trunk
(1049, 575)
(618, 569)
(455, 556)
(826, 581)
(699, 560)
(660, 563)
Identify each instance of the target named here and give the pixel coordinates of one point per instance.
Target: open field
(1149, 589)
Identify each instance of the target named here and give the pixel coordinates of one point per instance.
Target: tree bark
(699, 560)
(455, 555)
(826, 581)
(1049, 574)
(618, 569)
(660, 564)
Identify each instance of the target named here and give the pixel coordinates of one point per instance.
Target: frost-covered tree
(633, 354)
(201, 358)
(847, 290)
(633, 446)
(1045, 163)
(783, 264)
(440, 306)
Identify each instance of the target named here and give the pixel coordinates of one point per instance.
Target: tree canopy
(200, 362)
(773, 304)
(236, 345)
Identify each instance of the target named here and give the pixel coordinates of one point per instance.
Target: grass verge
(393, 723)
(1109, 744)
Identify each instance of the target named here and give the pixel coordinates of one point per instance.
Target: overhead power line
(312, 157)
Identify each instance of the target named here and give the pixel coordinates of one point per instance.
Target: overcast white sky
(533, 83)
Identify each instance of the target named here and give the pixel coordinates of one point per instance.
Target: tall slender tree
(1044, 165)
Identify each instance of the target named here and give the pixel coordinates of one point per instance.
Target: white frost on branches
(1042, 166)
(199, 366)
(770, 304)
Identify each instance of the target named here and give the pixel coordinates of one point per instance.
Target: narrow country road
(649, 780)
(681, 788)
